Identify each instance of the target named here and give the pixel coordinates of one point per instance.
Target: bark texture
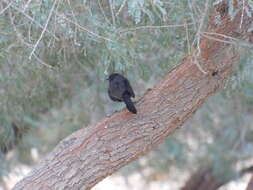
(89, 155)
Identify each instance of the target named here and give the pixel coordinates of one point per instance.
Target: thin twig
(217, 39)
(85, 29)
(18, 34)
(5, 8)
(34, 21)
(221, 35)
(44, 29)
(26, 5)
(112, 13)
(234, 41)
(42, 62)
(54, 27)
(74, 17)
(29, 32)
(195, 61)
(191, 13)
(121, 7)
(243, 9)
(202, 20)
(153, 27)
(103, 12)
(187, 37)
(238, 41)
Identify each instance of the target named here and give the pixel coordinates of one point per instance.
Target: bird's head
(112, 76)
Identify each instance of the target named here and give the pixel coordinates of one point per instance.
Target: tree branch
(89, 155)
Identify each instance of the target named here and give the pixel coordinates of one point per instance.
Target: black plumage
(120, 90)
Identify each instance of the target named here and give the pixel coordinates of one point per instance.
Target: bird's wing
(129, 88)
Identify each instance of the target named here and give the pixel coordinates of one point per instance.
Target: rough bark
(89, 155)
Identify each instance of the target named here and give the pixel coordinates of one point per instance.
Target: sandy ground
(134, 182)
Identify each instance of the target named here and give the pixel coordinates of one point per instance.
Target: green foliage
(61, 87)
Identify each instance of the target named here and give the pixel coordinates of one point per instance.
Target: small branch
(191, 12)
(18, 34)
(74, 17)
(30, 18)
(221, 35)
(217, 39)
(85, 29)
(234, 41)
(198, 37)
(112, 13)
(153, 27)
(195, 61)
(243, 10)
(201, 26)
(187, 37)
(5, 8)
(20, 38)
(121, 7)
(44, 29)
(103, 12)
(26, 5)
(42, 62)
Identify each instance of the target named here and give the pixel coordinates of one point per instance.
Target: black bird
(120, 90)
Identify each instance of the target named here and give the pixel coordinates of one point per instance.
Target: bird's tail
(129, 103)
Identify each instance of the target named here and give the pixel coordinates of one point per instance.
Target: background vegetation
(56, 55)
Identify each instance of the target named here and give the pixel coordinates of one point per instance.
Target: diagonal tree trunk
(89, 155)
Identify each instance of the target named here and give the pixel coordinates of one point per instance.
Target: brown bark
(89, 155)
(250, 184)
